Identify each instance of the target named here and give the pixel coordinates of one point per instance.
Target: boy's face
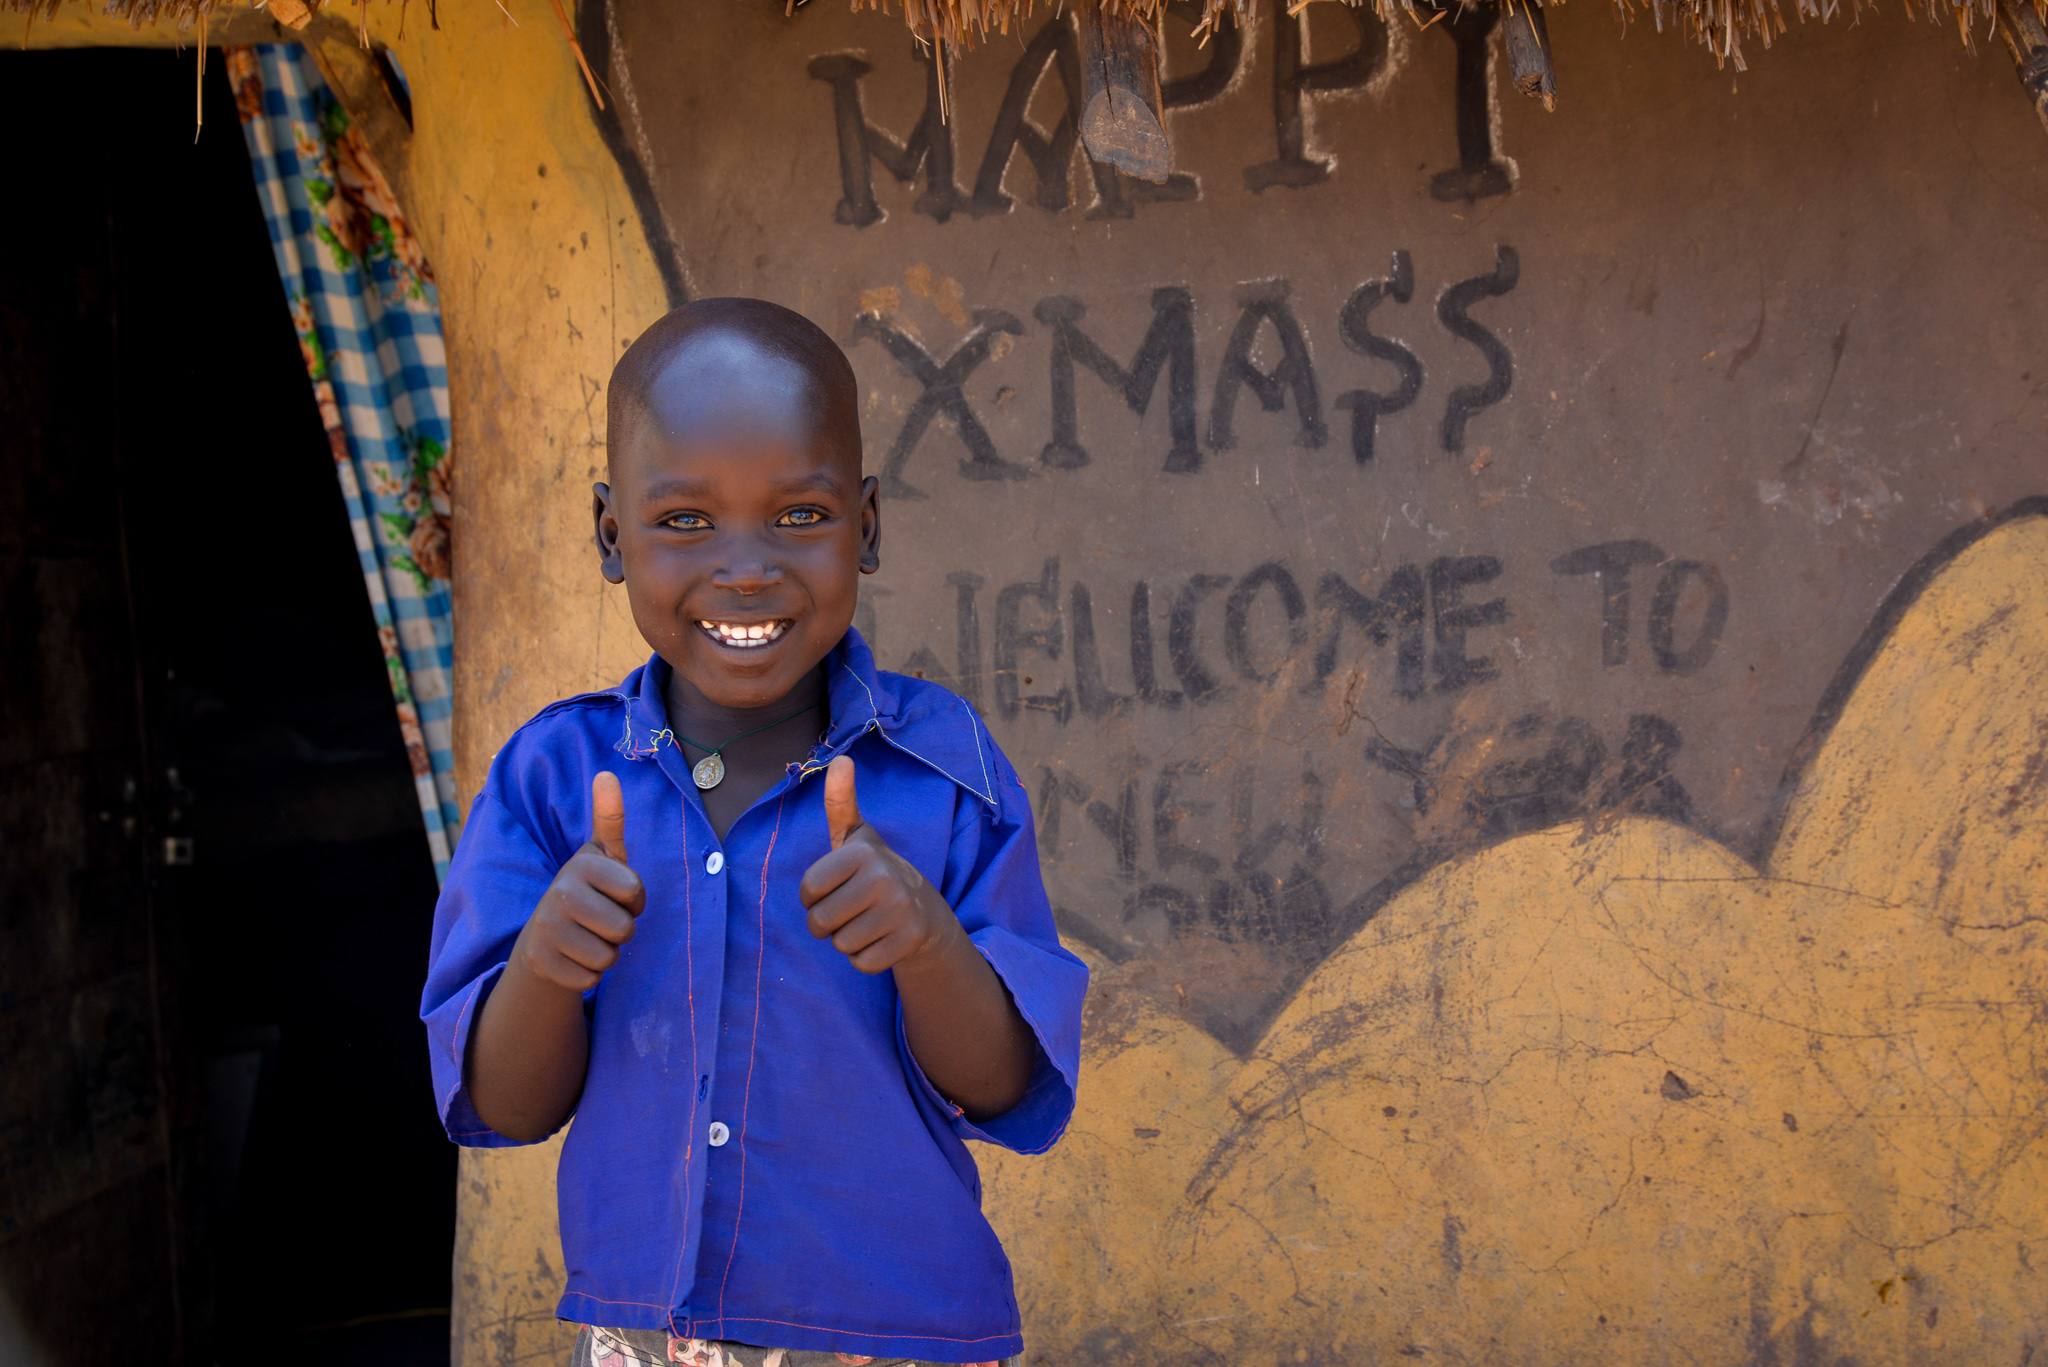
(738, 521)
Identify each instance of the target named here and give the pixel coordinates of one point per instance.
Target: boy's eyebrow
(679, 486)
(824, 481)
(675, 487)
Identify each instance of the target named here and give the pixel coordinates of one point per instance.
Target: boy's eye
(800, 517)
(688, 522)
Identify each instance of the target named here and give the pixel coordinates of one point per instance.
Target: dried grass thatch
(183, 14)
(1721, 25)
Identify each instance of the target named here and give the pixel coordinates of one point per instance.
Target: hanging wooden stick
(294, 14)
(2027, 39)
(1528, 41)
(1121, 119)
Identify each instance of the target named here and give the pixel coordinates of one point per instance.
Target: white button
(719, 1134)
(714, 863)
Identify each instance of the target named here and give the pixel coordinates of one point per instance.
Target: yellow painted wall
(1602, 1094)
(1610, 1094)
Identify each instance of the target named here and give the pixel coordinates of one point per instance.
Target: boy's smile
(741, 636)
(737, 517)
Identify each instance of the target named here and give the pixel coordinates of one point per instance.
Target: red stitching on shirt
(747, 1095)
(696, 1062)
(456, 1055)
(453, 1052)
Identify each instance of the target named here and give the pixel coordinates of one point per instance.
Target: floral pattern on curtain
(362, 299)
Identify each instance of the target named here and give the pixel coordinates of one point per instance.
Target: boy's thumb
(608, 814)
(842, 812)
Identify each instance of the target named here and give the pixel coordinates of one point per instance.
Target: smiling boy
(776, 1004)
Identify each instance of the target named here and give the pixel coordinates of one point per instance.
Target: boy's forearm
(528, 1055)
(963, 1028)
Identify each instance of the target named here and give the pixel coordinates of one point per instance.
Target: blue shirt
(756, 1155)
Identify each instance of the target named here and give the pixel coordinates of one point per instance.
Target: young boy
(775, 1005)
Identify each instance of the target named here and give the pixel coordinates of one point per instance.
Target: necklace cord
(744, 734)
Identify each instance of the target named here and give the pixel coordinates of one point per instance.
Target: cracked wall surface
(1612, 1093)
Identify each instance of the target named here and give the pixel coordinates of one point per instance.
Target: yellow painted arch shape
(1612, 1093)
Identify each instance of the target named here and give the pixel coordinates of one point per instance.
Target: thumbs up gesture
(588, 912)
(874, 906)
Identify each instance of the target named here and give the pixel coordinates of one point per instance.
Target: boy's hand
(574, 934)
(531, 1049)
(874, 906)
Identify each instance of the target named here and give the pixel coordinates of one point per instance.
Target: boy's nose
(749, 576)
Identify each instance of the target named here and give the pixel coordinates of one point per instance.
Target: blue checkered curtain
(369, 323)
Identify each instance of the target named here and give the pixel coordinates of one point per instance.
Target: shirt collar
(931, 725)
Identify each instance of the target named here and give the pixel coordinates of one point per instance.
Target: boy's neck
(711, 723)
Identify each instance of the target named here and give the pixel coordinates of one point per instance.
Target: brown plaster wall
(1733, 339)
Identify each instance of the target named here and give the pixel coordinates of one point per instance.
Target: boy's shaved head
(729, 364)
(735, 513)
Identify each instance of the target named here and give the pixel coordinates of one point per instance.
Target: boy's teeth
(748, 634)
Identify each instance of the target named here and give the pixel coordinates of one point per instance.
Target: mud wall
(1525, 632)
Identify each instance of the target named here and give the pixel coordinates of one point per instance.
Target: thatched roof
(1722, 26)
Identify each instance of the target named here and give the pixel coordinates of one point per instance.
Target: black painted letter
(1354, 326)
(1262, 302)
(1664, 611)
(942, 394)
(1451, 307)
(1453, 617)
(1012, 640)
(1400, 606)
(1169, 346)
(1049, 154)
(1144, 671)
(1093, 694)
(1609, 564)
(967, 634)
(1237, 611)
(1480, 171)
(1293, 78)
(1169, 810)
(930, 146)
(1181, 627)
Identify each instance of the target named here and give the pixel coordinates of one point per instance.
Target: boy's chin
(756, 676)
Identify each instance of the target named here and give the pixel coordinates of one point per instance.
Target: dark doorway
(217, 1137)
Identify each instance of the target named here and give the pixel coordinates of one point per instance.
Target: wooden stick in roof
(2027, 39)
(1121, 121)
(1528, 43)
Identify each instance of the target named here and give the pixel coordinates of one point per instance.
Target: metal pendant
(709, 773)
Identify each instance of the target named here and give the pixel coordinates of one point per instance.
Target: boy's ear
(609, 562)
(870, 525)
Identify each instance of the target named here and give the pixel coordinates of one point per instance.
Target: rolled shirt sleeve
(495, 880)
(993, 884)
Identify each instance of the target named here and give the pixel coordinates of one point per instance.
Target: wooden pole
(1121, 122)
(2027, 39)
(1528, 39)
(359, 85)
